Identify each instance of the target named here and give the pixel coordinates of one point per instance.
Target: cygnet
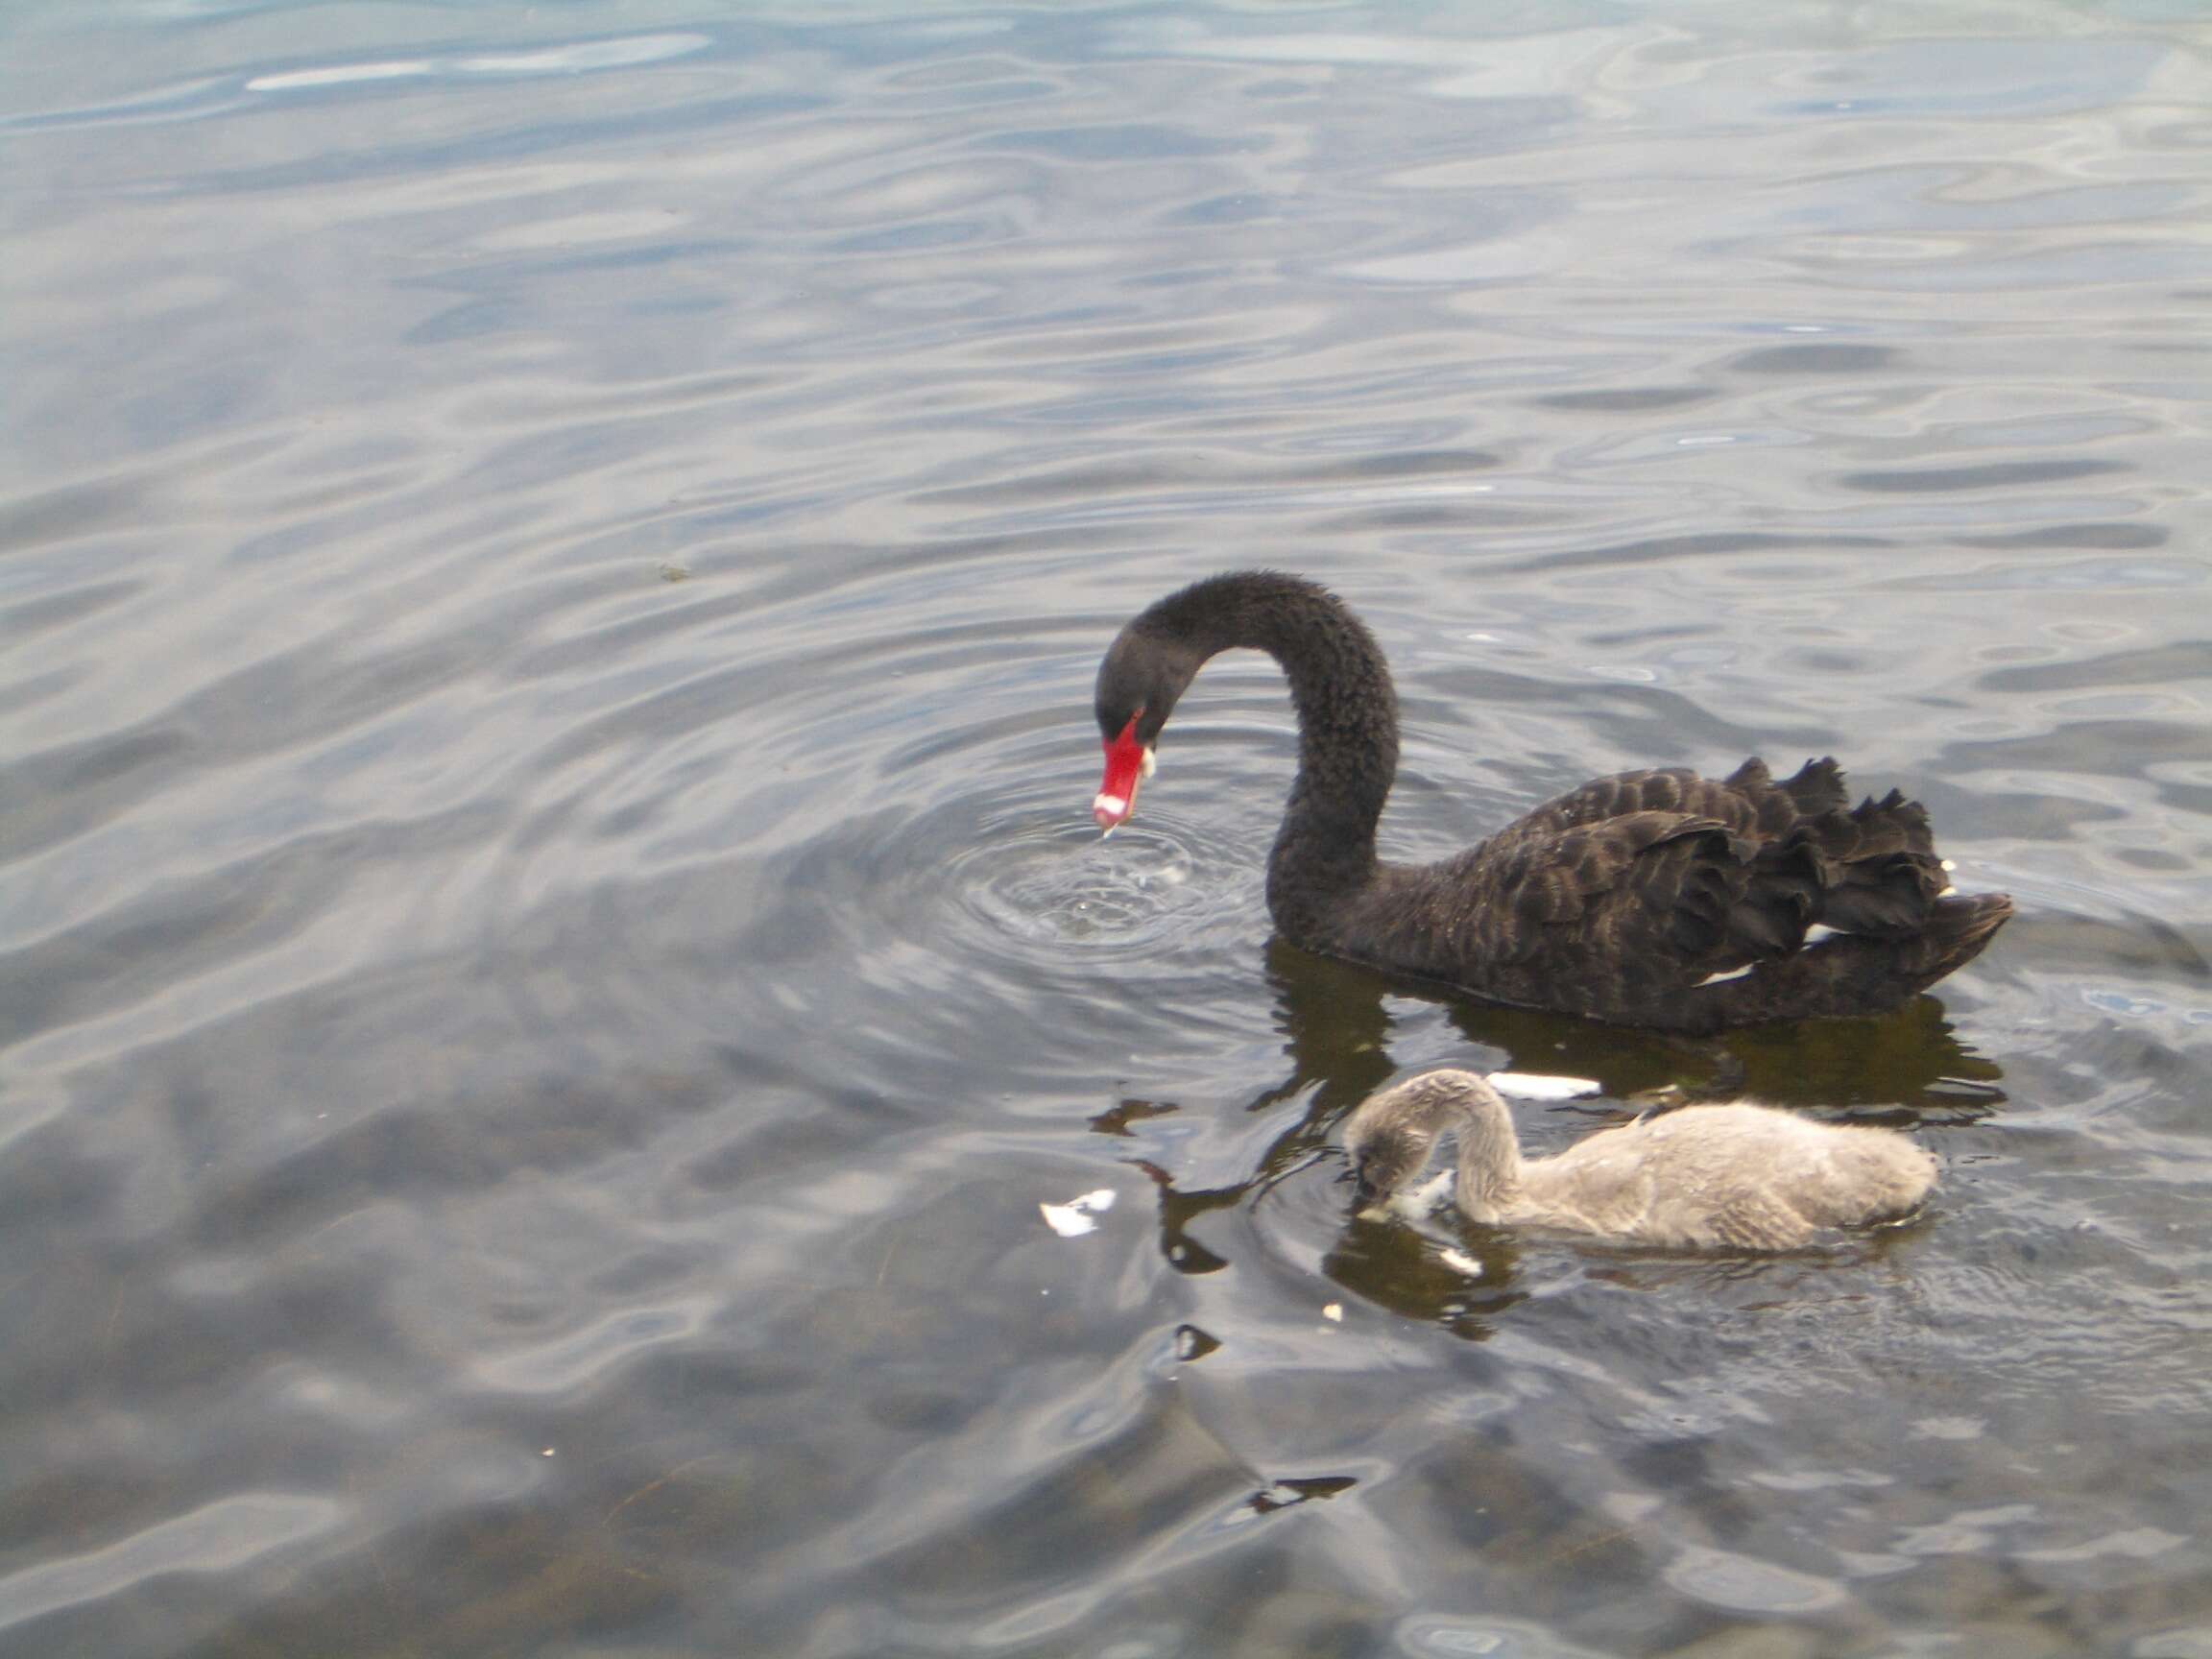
(1734, 1176)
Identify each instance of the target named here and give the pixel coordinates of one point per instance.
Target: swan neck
(1347, 733)
(1490, 1167)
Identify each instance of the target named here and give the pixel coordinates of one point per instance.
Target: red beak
(1117, 796)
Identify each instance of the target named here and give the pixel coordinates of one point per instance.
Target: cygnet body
(1737, 1176)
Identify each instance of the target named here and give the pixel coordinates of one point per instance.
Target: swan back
(1736, 1175)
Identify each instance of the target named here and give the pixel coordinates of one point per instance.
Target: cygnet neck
(1489, 1175)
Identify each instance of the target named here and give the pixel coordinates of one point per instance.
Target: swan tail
(1869, 870)
(1858, 972)
(1817, 787)
(1873, 1176)
(1878, 867)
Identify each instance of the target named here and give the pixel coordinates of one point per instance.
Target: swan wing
(1638, 896)
(1805, 855)
(1750, 1218)
(1588, 917)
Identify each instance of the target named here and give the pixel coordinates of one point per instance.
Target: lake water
(554, 941)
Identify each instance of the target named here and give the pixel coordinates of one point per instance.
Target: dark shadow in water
(1335, 1024)
(1334, 1018)
(1393, 1266)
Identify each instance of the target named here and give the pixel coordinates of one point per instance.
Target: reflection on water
(555, 561)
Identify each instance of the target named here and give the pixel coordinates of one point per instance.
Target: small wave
(1051, 883)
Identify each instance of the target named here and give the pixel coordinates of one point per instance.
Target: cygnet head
(1392, 1135)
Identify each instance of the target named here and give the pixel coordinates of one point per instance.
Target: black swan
(1738, 1175)
(1655, 899)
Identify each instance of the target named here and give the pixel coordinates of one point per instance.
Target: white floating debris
(1334, 1313)
(1536, 1086)
(1077, 1217)
(1459, 1262)
(1723, 978)
(1819, 933)
(1066, 1220)
(1950, 863)
(1414, 1203)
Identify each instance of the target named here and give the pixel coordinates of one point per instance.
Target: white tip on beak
(1113, 804)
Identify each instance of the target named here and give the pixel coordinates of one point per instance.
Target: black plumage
(1637, 899)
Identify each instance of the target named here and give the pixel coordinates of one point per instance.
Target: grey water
(554, 945)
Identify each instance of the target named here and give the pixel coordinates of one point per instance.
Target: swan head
(1139, 682)
(1392, 1135)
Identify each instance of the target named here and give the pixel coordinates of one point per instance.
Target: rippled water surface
(555, 558)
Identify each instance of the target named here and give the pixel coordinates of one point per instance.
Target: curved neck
(1489, 1176)
(1392, 1133)
(1347, 730)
